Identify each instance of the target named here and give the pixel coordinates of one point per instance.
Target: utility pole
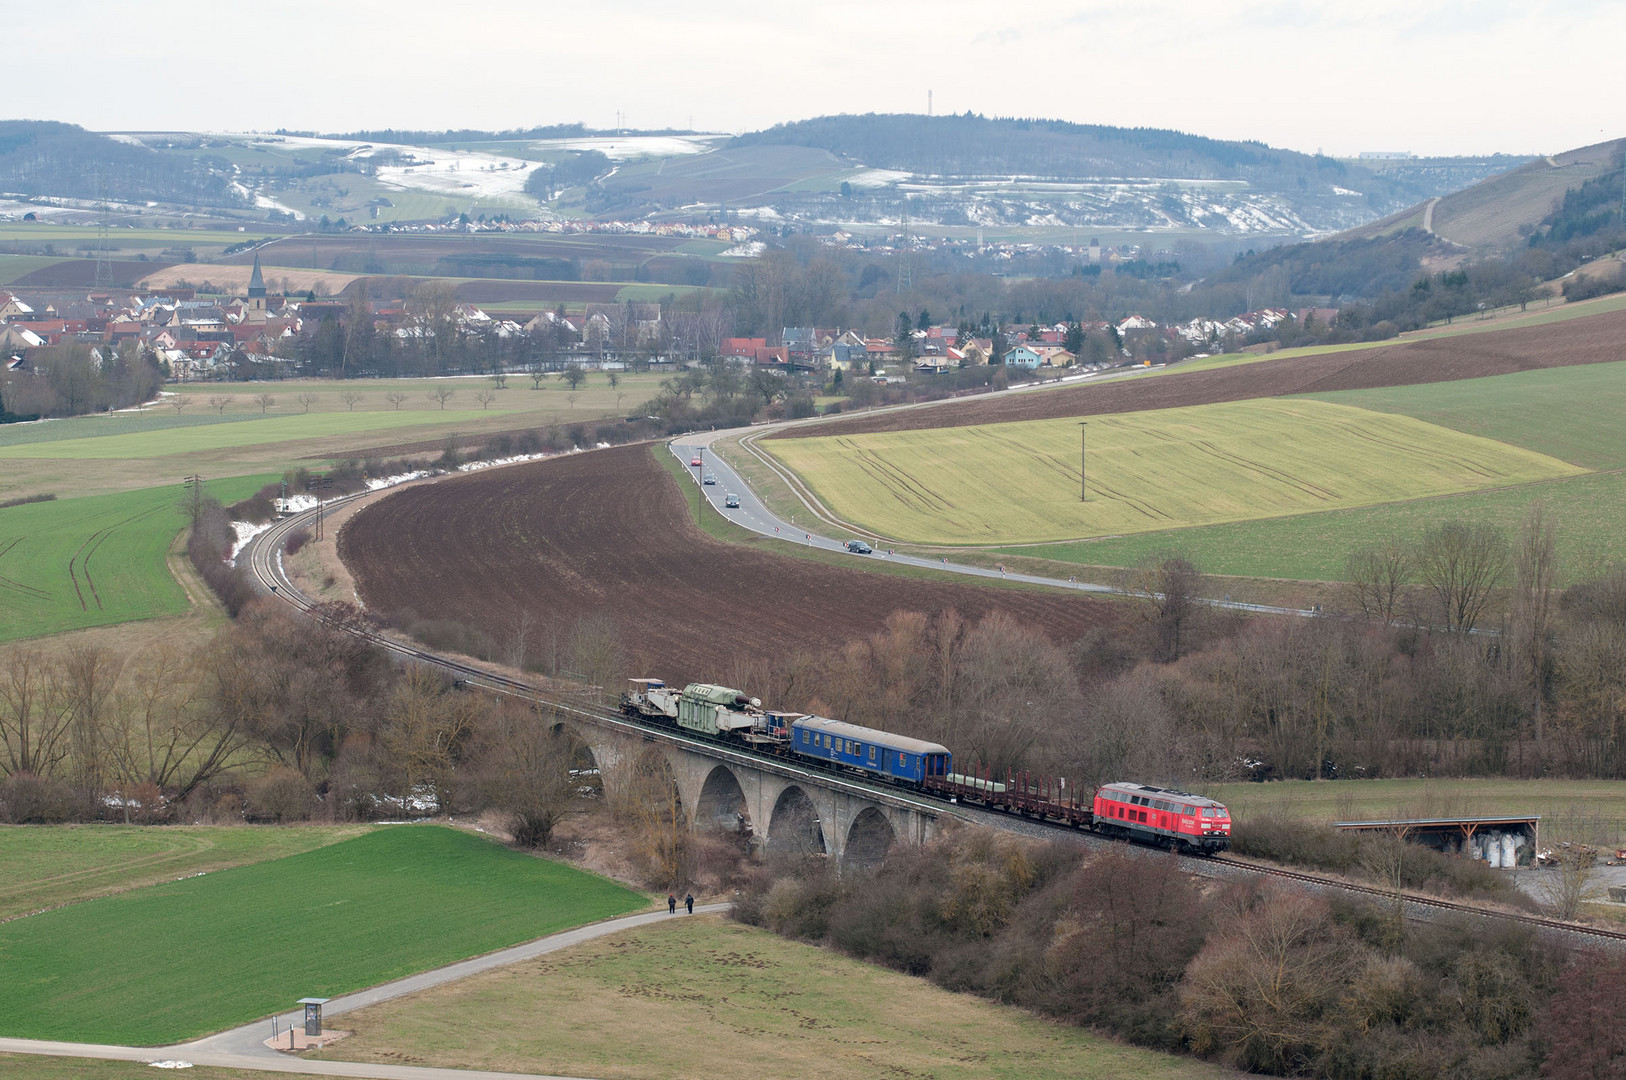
(1083, 461)
(104, 247)
(195, 496)
(906, 270)
(319, 484)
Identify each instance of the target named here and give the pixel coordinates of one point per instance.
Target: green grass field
(13, 267)
(1571, 413)
(45, 867)
(175, 961)
(270, 428)
(70, 564)
(1367, 800)
(1019, 482)
(705, 998)
(1314, 547)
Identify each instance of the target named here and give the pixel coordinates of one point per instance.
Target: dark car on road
(709, 478)
(731, 501)
(858, 547)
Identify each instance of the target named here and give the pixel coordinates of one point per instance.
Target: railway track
(264, 555)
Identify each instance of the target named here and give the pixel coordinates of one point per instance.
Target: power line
(104, 254)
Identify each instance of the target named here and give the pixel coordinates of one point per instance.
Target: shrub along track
(607, 533)
(1595, 339)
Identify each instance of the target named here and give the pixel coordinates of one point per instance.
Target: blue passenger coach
(881, 752)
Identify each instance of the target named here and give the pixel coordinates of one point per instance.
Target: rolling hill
(1501, 212)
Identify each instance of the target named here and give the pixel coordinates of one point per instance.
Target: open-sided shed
(1500, 841)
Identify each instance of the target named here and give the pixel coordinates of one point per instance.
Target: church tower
(255, 309)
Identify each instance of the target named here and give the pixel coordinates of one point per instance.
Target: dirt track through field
(1596, 339)
(607, 533)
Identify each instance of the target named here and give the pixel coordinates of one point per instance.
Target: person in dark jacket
(688, 902)
(671, 904)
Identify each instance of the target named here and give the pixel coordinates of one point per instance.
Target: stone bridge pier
(783, 812)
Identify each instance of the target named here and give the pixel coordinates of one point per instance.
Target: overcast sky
(1428, 76)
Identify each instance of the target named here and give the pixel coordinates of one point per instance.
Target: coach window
(872, 755)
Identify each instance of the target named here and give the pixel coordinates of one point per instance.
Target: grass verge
(171, 962)
(726, 1002)
(34, 1067)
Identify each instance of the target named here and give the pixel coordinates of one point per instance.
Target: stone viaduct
(784, 807)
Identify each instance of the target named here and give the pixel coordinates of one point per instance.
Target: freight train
(1176, 820)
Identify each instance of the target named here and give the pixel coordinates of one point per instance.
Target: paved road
(244, 1047)
(754, 515)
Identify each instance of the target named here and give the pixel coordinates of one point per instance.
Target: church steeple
(256, 282)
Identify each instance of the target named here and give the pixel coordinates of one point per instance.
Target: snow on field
(627, 147)
(246, 531)
(265, 202)
(476, 466)
(745, 251)
(445, 172)
(872, 178)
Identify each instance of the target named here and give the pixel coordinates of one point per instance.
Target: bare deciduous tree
(218, 403)
(306, 399)
(652, 806)
(395, 398)
(161, 733)
(441, 395)
(35, 717)
(1169, 590)
(1378, 575)
(1258, 991)
(1570, 877)
(596, 652)
(1462, 563)
(1536, 569)
(264, 401)
(485, 398)
(423, 732)
(523, 765)
(177, 402)
(351, 399)
(499, 381)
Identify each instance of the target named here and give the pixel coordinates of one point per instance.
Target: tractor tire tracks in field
(14, 585)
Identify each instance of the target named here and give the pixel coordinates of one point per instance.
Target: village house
(1023, 357)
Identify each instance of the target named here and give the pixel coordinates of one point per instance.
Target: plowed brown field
(608, 533)
(1595, 339)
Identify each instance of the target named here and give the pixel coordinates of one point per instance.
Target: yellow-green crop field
(1204, 464)
(207, 437)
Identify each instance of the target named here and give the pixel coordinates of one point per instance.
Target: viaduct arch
(778, 812)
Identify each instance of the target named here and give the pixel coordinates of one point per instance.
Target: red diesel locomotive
(1176, 820)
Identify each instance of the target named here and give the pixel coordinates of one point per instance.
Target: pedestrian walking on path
(671, 904)
(688, 902)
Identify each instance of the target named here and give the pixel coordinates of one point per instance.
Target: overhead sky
(1343, 76)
